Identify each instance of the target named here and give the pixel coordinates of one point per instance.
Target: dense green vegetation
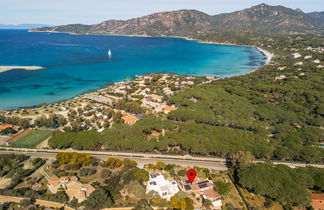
(271, 118)
(33, 138)
(11, 167)
(281, 183)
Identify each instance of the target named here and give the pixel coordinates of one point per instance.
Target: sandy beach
(268, 54)
(28, 68)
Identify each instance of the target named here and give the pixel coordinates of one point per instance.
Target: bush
(182, 173)
(87, 171)
(222, 187)
(105, 173)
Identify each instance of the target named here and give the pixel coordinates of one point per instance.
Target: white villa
(165, 188)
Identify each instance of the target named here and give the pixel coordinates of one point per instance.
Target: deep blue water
(78, 63)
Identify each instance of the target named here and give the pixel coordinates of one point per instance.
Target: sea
(75, 64)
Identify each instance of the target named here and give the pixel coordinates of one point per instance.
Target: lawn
(33, 138)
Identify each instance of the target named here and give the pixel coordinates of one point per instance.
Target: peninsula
(28, 68)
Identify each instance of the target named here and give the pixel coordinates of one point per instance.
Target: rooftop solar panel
(187, 181)
(202, 185)
(153, 183)
(203, 182)
(187, 187)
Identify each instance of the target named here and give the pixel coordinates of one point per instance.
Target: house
(5, 126)
(154, 97)
(296, 55)
(167, 91)
(168, 109)
(129, 119)
(165, 188)
(205, 188)
(299, 63)
(307, 57)
(2, 141)
(317, 61)
(317, 201)
(281, 77)
(71, 185)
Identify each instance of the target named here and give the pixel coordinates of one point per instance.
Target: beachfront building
(165, 188)
(205, 188)
(73, 188)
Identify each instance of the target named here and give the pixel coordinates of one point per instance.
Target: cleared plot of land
(33, 138)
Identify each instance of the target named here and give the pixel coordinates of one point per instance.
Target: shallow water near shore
(74, 64)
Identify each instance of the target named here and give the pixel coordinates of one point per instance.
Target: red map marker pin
(191, 174)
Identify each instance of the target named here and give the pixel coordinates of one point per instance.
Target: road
(145, 158)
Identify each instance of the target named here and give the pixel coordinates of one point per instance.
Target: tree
(87, 171)
(25, 202)
(160, 165)
(181, 172)
(142, 204)
(105, 173)
(222, 187)
(60, 197)
(180, 203)
(129, 163)
(141, 175)
(98, 199)
(136, 189)
(242, 159)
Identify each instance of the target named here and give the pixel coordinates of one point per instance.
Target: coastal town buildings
(165, 188)
(281, 77)
(5, 126)
(296, 55)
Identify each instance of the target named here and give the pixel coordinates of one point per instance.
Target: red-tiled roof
(317, 196)
(4, 126)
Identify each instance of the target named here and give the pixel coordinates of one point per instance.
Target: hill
(264, 18)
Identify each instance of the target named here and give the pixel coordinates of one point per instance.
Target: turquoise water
(75, 64)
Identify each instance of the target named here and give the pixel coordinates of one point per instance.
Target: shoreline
(26, 68)
(268, 57)
(266, 53)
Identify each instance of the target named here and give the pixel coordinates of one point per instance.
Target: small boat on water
(109, 53)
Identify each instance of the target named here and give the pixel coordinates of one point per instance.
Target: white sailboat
(109, 53)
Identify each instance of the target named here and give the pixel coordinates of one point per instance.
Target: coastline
(27, 68)
(268, 57)
(266, 53)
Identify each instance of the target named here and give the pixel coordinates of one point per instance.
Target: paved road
(145, 158)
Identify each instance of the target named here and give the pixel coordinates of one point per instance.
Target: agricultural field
(33, 138)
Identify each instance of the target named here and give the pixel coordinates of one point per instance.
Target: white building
(307, 57)
(165, 188)
(296, 55)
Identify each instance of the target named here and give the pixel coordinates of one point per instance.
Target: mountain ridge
(262, 17)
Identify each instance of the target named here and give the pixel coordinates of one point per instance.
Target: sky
(58, 12)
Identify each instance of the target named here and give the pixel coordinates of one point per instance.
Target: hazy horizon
(83, 11)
